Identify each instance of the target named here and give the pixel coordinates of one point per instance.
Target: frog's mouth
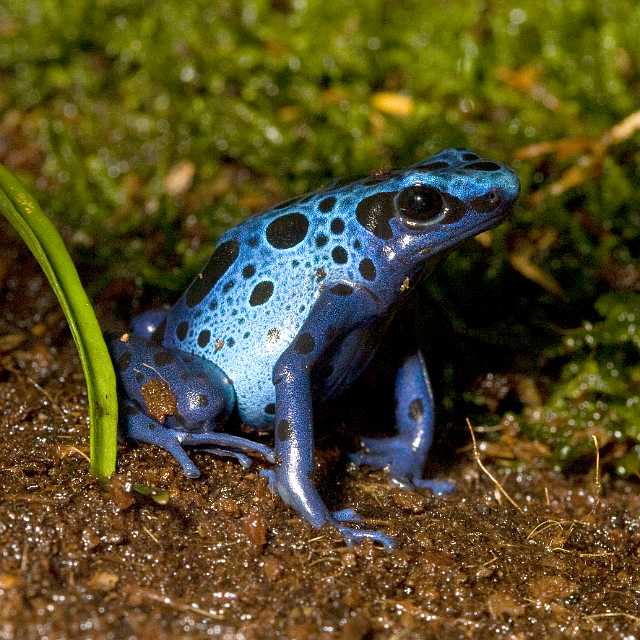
(487, 222)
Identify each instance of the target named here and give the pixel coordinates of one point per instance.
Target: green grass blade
(26, 217)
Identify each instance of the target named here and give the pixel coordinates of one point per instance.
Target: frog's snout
(500, 187)
(491, 187)
(510, 187)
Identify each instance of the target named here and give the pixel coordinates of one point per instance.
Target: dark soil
(221, 557)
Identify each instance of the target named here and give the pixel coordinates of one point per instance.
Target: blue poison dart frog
(287, 313)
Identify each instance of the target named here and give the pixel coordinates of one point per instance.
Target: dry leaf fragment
(521, 259)
(547, 588)
(485, 239)
(159, 399)
(254, 201)
(11, 341)
(521, 262)
(103, 581)
(503, 604)
(525, 80)
(623, 130)
(592, 154)
(255, 528)
(179, 178)
(9, 581)
(395, 104)
(562, 149)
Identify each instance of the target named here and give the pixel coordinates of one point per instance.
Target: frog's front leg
(404, 454)
(338, 307)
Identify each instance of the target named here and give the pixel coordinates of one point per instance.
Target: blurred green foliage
(599, 389)
(147, 128)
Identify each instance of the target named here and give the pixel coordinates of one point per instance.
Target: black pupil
(419, 203)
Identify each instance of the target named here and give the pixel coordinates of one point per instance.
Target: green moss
(599, 388)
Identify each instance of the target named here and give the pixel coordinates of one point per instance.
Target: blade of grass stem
(44, 242)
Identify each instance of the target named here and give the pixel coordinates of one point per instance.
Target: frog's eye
(419, 204)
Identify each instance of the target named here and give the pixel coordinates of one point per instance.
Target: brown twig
(582, 554)
(68, 449)
(324, 559)
(614, 614)
(148, 532)
(543, 526)
(596, 480)
(591, 153)
(177, 606)
(496, 482)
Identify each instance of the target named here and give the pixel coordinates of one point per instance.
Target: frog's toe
(142, 429)
(355, 536)
(244, 460)
(270, 476)
(225, 440)
(346, 515)
(188, 467)
(403, 465)
(190, 470)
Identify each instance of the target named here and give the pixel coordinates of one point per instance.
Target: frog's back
(252, 297)
(257, 290)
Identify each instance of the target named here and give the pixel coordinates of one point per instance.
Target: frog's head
(432, 206)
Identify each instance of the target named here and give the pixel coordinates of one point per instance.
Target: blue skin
(290, 308)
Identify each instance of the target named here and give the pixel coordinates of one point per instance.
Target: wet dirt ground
(155, 555)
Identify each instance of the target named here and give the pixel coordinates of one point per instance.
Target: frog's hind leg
(139, 427)
(230, 443)
(174, 388)
(142, 428)
(177, 400)
(404, 454)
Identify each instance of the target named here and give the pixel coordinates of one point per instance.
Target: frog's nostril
(488, 202)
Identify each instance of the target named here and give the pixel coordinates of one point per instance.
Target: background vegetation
(146, 129)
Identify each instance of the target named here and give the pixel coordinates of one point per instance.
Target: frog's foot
(403, 464)
(346, 515)
(337, 518)
(270, 476)
(244, 460)
(229, 442)
(141, 428)
(356, 536)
